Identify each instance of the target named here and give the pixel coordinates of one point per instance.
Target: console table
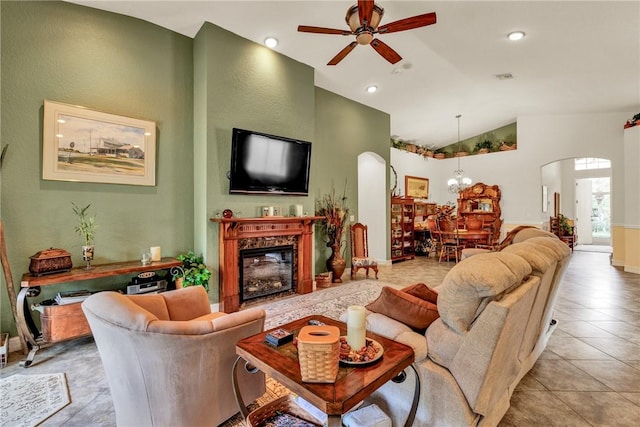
(30, 287)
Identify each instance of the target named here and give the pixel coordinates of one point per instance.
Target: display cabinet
(402, 238)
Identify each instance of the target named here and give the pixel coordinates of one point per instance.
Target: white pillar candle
(155, 253)
(356, 328)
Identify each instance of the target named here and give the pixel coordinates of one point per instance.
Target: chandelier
(459, 182)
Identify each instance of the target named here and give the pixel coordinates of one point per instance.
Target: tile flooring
(589, 375)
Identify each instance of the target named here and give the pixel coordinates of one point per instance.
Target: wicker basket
(319, 353)
(285, 404)
(323, 280)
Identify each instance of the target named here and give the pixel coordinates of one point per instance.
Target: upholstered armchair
(360, 251)
(168, 358)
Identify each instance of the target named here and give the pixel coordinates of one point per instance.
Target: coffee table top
(352, 385)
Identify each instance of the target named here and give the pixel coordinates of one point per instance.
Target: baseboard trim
(635, 270)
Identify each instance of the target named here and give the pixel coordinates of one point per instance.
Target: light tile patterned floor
(589, 375)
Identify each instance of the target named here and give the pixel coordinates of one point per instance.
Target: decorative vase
(87, 255)
(336, 263)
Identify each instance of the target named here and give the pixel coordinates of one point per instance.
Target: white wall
(541, 140)
(372, 202)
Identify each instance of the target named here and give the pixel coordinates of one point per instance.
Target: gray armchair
(168, 358)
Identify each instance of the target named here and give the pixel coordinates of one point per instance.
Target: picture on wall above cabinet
(80, 144)
(416, 187)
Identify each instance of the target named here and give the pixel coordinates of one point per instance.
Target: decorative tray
(373, 352)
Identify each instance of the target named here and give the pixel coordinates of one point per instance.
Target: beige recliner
(168, 358)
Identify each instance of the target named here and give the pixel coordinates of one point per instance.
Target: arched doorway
(372, 202)
(584, 185)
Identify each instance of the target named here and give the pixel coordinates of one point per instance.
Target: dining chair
(360, 251)
(449, 242)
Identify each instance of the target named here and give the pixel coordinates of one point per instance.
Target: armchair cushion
(403, 307)
(363, 262)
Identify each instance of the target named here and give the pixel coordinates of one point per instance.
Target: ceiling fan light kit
(363, 20)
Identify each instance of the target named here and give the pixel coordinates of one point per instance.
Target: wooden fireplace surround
(231, 230)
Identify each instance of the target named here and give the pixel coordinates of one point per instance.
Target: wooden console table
(30, 287)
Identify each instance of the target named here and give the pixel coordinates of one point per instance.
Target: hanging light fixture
(459, 182)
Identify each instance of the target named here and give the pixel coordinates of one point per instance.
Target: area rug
(27, 400)
(330, 302)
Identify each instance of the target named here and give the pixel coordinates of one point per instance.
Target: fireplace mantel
(231, 230)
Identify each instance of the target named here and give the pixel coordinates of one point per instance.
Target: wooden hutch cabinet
(480, 204)
(402, 239)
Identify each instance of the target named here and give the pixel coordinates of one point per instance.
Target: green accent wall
(107, 62)
(196, 90)
(242, 84)
(344, 130)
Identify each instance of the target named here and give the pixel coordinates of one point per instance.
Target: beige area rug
(27, 400)
(330, 302)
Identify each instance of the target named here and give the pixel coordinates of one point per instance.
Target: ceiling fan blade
(322, 30)
(344, 52)
(408, 23)
(385, 51)
(365, 11)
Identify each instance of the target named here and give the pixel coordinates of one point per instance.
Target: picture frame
(84, 145)
(416, 187)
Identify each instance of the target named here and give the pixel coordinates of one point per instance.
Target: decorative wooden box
(49, 261)
(63, 322)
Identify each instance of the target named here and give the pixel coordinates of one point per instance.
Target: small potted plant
(193, 271)
(483, 147)
(439, 154)
(86, 228)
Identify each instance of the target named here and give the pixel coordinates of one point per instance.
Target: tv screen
(268, 164)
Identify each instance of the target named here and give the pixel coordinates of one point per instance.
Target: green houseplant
(86, 228)
(483, 147)
(193, 272)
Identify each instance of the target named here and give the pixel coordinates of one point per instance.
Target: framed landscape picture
(80, 144)
(416, 187)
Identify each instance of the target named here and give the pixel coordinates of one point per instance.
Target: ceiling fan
(363, 20)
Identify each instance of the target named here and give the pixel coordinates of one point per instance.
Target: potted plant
(193, 271)
(86, 228)
(483, 147)
(335, 211)
(439, 153)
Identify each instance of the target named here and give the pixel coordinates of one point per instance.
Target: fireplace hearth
(266, 271)
(236, 234)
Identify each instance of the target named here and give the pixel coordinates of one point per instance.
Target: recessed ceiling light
(271, 42)
(371, 89)
(516, 35)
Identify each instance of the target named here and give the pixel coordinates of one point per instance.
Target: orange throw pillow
(422, 291)
(414, 312)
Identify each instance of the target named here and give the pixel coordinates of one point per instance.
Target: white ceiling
(577, 57)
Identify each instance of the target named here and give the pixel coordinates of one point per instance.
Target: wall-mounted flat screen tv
(268, 164)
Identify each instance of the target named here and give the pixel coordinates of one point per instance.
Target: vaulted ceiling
(577, 56)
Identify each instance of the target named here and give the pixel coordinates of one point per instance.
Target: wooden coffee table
(353, 383)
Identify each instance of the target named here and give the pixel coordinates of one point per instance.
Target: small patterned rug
(330, 302)
(27, 400)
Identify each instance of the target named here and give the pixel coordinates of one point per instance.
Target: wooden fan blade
(365, 11)
(344, 52)
(408, 23)
(385, 51)
(322, 30)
